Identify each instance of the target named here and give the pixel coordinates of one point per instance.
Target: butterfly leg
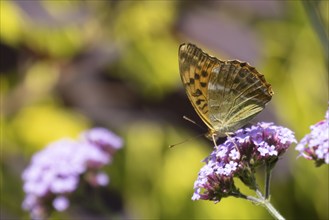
(214, 139)
(228, 134)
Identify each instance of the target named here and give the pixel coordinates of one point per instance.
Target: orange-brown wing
(195, 69)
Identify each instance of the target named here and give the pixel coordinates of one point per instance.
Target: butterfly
(225, 94)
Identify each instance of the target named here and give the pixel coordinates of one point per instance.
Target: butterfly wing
(195, 67)
(237, 92)
(225, 94)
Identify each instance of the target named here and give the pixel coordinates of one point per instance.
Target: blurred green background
(67, 66)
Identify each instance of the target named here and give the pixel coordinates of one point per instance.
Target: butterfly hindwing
(237, 92)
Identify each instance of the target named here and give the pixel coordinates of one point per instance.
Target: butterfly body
(225, 94)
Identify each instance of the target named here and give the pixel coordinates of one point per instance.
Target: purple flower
(102, 179)
(55, 172)
(96, 179)
(315, 145)
(47, 168)
(104, 139)
(238, 157)
(61, 203)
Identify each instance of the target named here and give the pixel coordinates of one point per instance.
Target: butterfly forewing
(225, 94)
(195, 67)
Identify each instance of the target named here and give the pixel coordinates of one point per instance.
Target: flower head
(315, 145)
(55, 172)
(238, 157)
(103, 138)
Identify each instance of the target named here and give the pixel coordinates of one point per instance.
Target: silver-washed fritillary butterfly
(225, 94)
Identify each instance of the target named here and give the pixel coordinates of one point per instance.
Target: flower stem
(266, 203)
(263, 202)
(255, 200)
(268, 175)
(272, 210)
(259, 194)
(312, 9)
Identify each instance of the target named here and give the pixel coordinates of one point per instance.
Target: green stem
(268, 175)
(254, 200)
(263, 202)
(312, 9)
(272, 210)
(259, 194)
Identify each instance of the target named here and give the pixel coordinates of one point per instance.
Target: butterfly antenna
(186, 140)
(190, 120)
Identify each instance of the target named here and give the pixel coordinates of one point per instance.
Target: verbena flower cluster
(315, 145)
(238, 157)
(54, 172)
